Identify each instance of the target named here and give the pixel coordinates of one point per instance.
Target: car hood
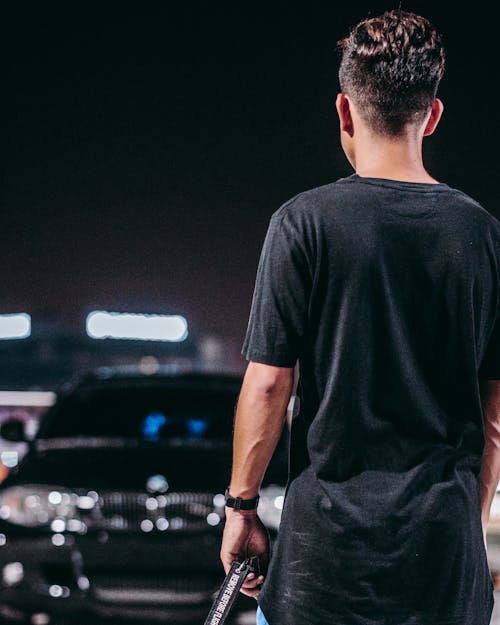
(125, 465)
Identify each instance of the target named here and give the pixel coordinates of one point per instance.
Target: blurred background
(144, 148)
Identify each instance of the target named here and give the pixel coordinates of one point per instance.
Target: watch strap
(241, 504)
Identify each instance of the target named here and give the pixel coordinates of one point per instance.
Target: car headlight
(38, 506)
(270, 505)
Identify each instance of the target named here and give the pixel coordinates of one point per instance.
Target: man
(382, 289)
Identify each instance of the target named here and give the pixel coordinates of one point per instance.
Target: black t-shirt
(386, 296)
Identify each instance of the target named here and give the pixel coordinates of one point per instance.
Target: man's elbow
(267, 380)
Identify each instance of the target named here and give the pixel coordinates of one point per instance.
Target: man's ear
(344, 112)
(434, 117)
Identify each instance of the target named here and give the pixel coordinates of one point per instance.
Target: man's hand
(245, 536)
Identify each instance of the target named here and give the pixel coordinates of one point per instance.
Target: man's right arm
(490, 467)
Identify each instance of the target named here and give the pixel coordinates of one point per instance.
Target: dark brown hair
(391, 67)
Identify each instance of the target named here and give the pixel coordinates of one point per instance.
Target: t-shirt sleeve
(490, 364)
(278, 315)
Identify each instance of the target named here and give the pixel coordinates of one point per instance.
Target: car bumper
(111, 576)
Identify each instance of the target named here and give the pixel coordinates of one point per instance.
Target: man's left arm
(259, 420)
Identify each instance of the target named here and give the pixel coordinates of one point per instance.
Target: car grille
(172, 512)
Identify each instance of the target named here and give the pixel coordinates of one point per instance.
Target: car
(116, 510)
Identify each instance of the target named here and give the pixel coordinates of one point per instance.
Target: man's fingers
(251, 586)
(251, 593)
(251, 582)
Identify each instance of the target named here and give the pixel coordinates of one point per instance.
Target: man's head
(391, 68)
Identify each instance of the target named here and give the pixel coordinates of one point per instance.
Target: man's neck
(391, 159)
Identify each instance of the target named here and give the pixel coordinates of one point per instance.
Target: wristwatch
(241, 504)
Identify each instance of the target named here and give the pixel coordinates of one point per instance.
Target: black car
(117, 508)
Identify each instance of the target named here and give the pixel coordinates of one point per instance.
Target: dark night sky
(145, 147)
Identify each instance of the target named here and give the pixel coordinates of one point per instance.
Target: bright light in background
(112, 325)
(9, 458)
(40, 399)
(16, 326)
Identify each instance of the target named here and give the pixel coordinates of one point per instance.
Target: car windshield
(149, 414)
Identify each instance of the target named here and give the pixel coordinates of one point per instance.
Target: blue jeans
(261, 619)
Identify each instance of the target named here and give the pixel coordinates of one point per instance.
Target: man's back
(384, 288)
(385, 292)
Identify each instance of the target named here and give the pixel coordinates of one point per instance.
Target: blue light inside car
(197, 427)
(152, 425)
